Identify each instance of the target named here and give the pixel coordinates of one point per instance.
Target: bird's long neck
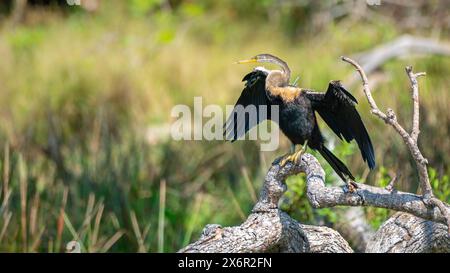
(276, 79)
(277, 82)
(286, 71)
(284, 67)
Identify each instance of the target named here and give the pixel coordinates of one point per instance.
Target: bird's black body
(298, 122)
(297, 118)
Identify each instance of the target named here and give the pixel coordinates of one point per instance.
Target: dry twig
(409, 139)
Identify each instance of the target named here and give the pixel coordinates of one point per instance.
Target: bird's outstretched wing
(248, 111)
(337, 108)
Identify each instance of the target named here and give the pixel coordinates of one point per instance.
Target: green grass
(78, 93)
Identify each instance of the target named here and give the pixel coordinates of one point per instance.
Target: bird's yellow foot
(295, 157)
(286, 158)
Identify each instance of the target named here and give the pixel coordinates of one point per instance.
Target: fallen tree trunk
(268, 229)
(403, 233)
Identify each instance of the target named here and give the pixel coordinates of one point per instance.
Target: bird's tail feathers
(337, 165)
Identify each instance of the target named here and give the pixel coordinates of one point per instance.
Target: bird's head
(268, 58)
(263, 58)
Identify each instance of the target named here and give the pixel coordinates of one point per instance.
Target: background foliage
(85, 99)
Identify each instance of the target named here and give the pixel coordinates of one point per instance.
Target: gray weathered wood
(405, 233)
(268, 229)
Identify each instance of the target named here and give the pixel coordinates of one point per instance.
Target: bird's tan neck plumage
(286, 93)
(277, 83)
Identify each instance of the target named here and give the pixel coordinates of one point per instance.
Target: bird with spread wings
(297, 118)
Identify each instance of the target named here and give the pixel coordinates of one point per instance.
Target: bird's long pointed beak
(252, 60)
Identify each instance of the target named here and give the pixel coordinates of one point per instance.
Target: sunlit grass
(77, 94)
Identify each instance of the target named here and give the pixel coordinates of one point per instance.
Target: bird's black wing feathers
(337, 108)
(253, 95)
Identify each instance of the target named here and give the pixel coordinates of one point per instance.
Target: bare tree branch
(405, 45)
(415, 97)
(390, 186)
(410, 140)
(321, 196)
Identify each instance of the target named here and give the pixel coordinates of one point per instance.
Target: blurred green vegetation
(79, 91)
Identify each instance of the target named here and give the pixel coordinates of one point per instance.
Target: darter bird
(297, 119)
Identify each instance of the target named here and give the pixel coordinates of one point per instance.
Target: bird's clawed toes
(285, 159)
(294, 158)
